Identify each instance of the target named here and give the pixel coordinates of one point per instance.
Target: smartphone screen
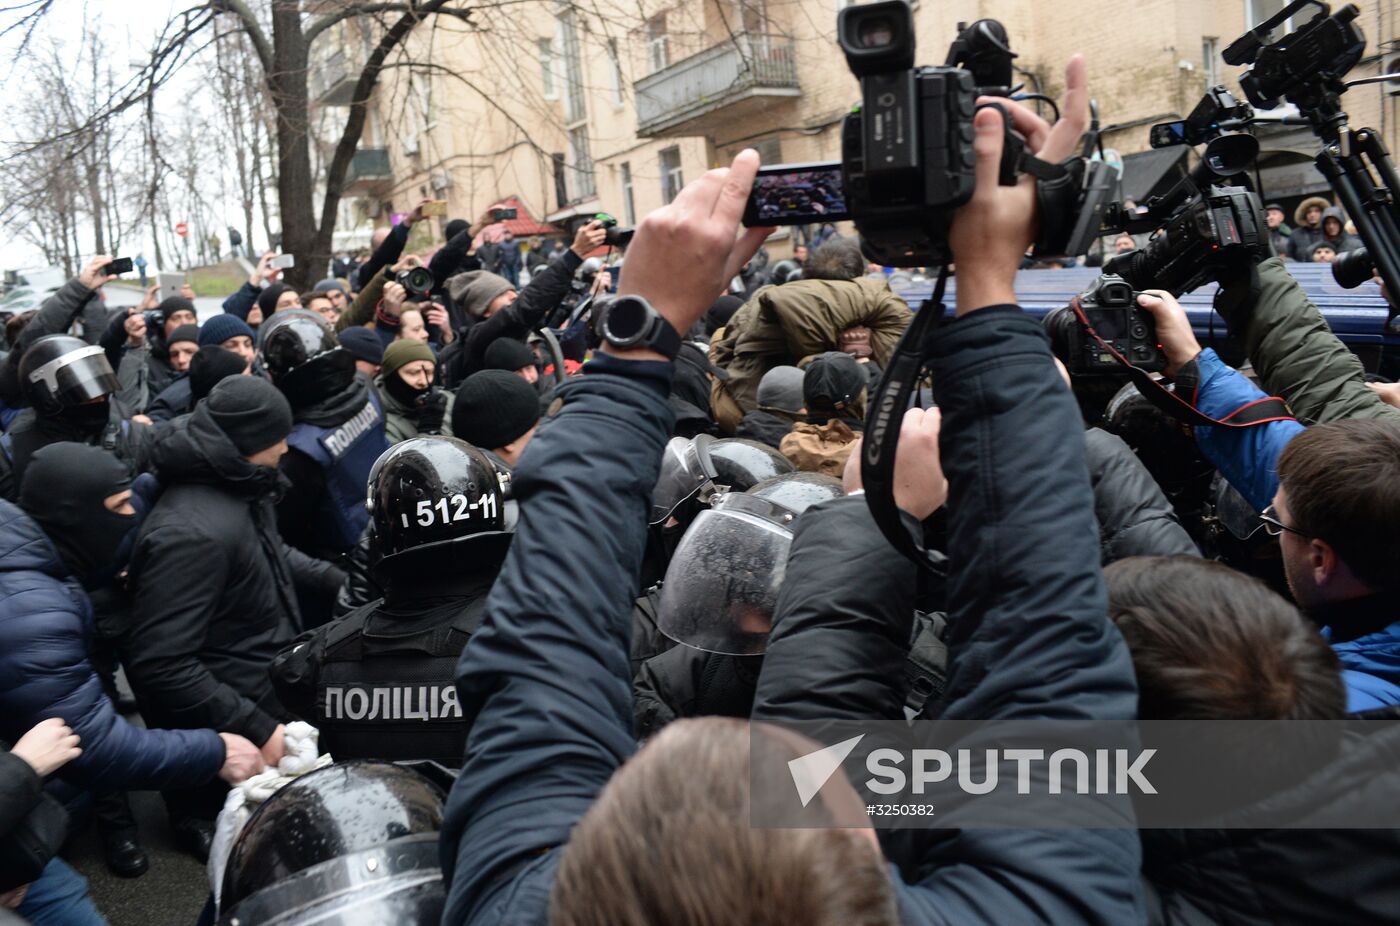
(284, 262)
(436, 207)
(797, 194)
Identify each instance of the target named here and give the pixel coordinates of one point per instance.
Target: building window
(1210, 60)
(658, 44)
(615, 66)
(583, 185)
(573, 68)
(629, 208)
(561, 182)
(671, 178)
(546, 50)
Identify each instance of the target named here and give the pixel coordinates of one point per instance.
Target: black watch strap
(664, 338)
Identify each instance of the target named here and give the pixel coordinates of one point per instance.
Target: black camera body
(907, 158)
(1110, 308)
(906, 174)
(417, 281)
(1304, 66)
(615, 237)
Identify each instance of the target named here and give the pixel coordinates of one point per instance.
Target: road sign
(182, 229)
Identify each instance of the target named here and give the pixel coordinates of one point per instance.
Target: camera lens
(1352, 268)
(877, 32)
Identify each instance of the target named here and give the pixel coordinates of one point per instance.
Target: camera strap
(1187, 381)
(882, 427)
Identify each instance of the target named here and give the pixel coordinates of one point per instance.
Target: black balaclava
(394, 385)
(64, 490)
(87, 419)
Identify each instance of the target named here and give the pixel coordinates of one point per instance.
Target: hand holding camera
(95, 273)
(991, 232)
(1173, 329)
(394, 298)
(437, 316)
(589, 238)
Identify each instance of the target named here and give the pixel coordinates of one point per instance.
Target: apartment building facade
(584, 107)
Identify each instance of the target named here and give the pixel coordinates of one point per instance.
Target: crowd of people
(592, 550)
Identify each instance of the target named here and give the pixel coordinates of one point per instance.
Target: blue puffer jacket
(45, 628)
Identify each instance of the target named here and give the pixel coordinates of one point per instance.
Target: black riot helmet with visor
(60, 372)
(722, 584)
(694, 469)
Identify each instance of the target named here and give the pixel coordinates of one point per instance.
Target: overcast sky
(129, 29)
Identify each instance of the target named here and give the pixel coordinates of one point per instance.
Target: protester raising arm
(390, 249)
(55, 316)
(1028, 635)
(242, 301)
(545, 291)
(546, 682)
(1297, 356)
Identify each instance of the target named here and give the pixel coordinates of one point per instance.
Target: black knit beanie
(210, 365)
(507, 354)
(251, 411)
(493, 408)
(172, 304)
(267, 299)
(184, 333)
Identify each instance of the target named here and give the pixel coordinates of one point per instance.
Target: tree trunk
(295, 187)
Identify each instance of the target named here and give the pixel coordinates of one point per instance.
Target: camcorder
(416, 281)
(1209, 227)
(907, 161)
(1307, 68)
(615, 237)
(1103, 329)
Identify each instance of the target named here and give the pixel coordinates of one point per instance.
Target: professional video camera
(907, 158)
(417, 281)
(1206, 228)
(1306, 67)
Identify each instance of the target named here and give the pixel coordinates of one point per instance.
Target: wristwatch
(630, 322)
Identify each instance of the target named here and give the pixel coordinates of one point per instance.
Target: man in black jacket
(542, 823)
(56, 316)
(378, 683)
(215, 586)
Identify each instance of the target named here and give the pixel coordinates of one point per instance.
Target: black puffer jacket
(1135, 518)
(1273, 877)
(214, 587)
(129, 440)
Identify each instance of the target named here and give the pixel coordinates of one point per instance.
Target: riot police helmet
(59, 372)
(799, 491)
(303, 357)
(436, 492)
(693, 469)
(722, 583)
(354, 842)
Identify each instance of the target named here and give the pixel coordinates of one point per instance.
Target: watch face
(627, 320)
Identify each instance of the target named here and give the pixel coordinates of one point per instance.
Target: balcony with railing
(368, 168)
(331, 80)
(728, 82)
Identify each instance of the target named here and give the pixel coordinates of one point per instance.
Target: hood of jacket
(1304, 206)
(24, 546)
(194, 450)
(338, 408)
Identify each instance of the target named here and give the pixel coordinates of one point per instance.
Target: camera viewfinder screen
(1109, 323)
(797, 195)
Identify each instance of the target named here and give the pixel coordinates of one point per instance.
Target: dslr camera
(1103, 327)
(616, 237)
(417, 281)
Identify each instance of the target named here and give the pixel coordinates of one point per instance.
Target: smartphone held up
(797, 194)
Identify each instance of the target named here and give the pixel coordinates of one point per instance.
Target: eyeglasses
(1273, 526)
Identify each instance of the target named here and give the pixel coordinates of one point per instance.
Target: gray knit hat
(474, 290)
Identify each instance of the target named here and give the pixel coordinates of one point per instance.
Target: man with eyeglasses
(1330, 493)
